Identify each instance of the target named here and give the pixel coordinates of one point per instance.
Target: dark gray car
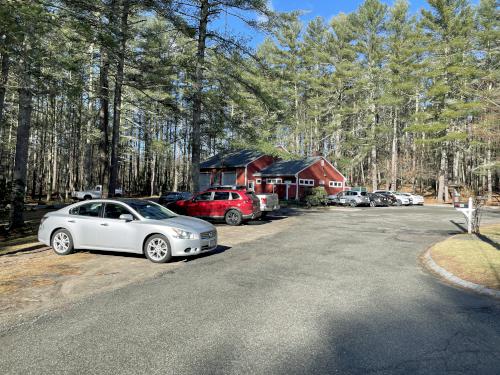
(174, 196)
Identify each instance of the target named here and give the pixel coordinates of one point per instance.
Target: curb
(455, 280)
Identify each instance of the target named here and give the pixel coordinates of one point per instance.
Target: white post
(469, 216)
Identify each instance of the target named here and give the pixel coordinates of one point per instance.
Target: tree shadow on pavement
(444, 331)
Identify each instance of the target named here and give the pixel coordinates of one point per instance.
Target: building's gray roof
(288, 167)
(232, 159)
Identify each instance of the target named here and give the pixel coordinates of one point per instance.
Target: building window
(204, 181)
(335, 183)
(228, 178)
(306, 182)
(258, 181)
(275, 181)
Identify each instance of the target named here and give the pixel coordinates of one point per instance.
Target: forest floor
(474, 258)
(39, 280)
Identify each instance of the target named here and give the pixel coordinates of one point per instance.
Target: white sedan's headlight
(182, 234)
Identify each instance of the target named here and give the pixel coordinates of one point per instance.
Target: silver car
(129, 225)
(353, 198)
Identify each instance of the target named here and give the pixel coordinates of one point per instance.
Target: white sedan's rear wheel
(157, 249)
(62, 243)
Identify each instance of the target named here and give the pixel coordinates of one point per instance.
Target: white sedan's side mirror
(126, 217)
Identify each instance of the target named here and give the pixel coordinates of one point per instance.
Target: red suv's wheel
(233, 217)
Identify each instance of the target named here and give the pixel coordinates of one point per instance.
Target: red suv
(234, 205)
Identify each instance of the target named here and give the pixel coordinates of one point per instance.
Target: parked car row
(142, 226)
(159, 232)
(356, 198)
(233, 204)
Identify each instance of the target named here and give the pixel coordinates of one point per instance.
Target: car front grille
(208, 235)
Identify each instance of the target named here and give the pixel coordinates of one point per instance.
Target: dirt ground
(39, 280)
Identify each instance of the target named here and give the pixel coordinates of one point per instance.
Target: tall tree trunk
(104, 120)
(394, 152)
(21, 158)
(373, 153)
(488, 172)
(442, 175)
(197, 99)
(117, 104)
(4, 75)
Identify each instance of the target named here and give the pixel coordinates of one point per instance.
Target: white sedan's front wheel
(62, 243)
(157, 249)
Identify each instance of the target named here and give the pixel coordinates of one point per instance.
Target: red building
(290, 179)
(235, 168)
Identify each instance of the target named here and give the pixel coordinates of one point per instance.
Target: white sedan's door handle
(104, 224)
(71, 221)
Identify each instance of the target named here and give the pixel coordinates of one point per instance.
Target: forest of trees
(134, 93)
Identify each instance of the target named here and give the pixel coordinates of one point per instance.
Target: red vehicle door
(199, 205)
(220, 204)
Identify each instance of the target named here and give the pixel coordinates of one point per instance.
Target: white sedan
(415, 198)
(129, 225)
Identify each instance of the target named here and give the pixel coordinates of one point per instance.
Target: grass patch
(474, 258)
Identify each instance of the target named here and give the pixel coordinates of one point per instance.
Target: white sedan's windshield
(150, 210)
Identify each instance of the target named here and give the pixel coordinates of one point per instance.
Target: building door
(251, 185)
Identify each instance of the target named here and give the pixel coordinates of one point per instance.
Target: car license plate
(211, 243)
(342, 200)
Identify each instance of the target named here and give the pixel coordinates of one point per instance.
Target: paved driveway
(338, 292)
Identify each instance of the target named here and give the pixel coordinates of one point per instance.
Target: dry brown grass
(472, 258)
(19, 272)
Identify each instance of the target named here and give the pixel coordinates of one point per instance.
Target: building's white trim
(335, 184)
(306, 181)
(275, 181)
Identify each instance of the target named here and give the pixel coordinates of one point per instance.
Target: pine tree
(370, 23)
(448, 25)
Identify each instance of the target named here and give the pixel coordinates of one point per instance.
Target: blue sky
(315, 8)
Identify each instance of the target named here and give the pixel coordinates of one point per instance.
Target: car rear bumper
(267, 208)
(253, 215)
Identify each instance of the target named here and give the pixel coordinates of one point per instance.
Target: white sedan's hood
(190, 224)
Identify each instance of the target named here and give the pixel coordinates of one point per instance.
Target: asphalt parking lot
(339, 291)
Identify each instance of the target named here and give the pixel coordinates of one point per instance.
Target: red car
(233, 205)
